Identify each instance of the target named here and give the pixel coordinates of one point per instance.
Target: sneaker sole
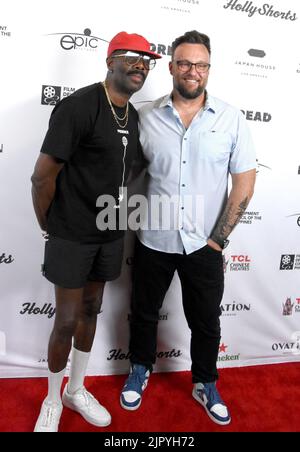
(130, 408)
(196, 397)
(87, 418)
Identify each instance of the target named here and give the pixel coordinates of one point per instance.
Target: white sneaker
(85, 404)
(49, 417)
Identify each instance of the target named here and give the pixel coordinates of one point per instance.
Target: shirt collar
(210, 103)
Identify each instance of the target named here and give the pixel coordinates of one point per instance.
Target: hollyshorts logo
(234, 308)
(289, 307)
(265, 10)
(289, 347)
(252, 64)
(79, 41)
(180, 6)
(258, 116)
(33, 309)
(290, 262)
(295, 216)
(120, 355)
(225, 356)
(4, 32)
(51, 94)
(2, 343)
(237, 263)
(4, 259)
(251, 217)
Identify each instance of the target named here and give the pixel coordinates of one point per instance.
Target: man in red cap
(88, 151)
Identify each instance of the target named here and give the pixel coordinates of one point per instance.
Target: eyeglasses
(186, 66)
(132, 59)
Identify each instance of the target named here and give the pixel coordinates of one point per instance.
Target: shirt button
(182, 208)
(184, 161)
(185, 139)
(183, 185)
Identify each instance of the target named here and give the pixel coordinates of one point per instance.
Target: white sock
(79, 363)
(54, 386)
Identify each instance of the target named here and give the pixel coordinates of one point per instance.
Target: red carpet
(261, 398)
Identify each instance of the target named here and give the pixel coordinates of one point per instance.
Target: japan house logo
(180, 6)
(79, 41)
(254, 64)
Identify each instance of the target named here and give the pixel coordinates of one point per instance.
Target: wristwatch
(221, 243)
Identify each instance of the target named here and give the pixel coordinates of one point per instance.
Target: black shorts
(71, 264)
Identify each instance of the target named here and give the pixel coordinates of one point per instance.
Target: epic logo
(69, 42)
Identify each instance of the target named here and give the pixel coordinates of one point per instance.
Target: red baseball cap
(134, 42)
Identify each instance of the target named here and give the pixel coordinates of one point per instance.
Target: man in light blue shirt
(192, 142)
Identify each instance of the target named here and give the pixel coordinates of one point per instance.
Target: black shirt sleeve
(66, 127)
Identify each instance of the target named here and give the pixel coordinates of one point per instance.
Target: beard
(188, 94)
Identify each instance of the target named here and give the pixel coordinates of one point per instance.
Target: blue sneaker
(208, 396)
(136, 383)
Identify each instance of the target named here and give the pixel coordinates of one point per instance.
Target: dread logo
(2, 344)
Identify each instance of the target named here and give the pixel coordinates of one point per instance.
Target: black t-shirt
(84, 134)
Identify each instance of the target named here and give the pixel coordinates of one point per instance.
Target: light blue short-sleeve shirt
(191, 167)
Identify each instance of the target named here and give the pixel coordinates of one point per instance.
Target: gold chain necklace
(117, 118)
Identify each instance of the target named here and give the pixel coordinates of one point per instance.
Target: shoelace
(88, 397)
(136, 380)
(49, 416)
(212, 394)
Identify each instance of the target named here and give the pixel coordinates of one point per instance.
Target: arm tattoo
(228, 220)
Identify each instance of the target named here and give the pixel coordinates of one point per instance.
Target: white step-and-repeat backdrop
(50, 49)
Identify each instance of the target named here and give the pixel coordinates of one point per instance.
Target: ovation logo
(232, 309)
(79, 41)
(265, 10)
